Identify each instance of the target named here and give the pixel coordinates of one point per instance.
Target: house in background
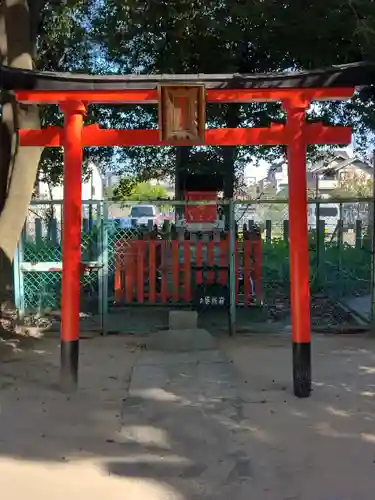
(324, 176)
(339, 167)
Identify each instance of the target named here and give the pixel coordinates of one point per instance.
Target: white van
(140, 215)
(328, 212)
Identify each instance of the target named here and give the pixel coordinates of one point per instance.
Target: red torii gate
(73, 93)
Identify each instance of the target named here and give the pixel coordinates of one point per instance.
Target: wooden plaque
(182, 114)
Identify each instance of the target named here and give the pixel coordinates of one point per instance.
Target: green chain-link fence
(40, 255)
(339, 248)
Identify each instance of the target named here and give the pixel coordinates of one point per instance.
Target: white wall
(92, 189)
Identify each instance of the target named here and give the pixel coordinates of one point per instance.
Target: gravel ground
(326, 313)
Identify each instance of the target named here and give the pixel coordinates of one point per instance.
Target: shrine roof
(348, 75)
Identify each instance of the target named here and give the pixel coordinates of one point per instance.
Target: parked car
(140, 215)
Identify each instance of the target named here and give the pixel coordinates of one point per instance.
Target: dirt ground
(245, 437)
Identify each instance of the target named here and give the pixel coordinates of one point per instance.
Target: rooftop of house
(340, 160)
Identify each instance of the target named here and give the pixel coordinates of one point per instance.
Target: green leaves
(185, 36)
(181, 36)
(128, 189)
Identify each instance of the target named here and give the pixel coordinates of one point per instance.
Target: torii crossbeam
(73, 93)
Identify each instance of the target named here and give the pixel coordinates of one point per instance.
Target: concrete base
(193, 339)
(183, 320)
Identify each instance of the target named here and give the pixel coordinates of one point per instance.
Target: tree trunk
(182, 160)
(18, 165)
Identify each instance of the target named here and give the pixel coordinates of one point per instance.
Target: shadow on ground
(206, 425)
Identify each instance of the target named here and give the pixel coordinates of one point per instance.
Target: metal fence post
(99, 258)
(38, 231)
(103, 270)
(340, 243)
(317, 237)
(19, 286)
(358, 234)
(268, 231)
(320, 248)
(232, 269)
(372, 222)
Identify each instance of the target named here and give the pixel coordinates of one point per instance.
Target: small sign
(212, 296)
(209, 300)
(182, 114)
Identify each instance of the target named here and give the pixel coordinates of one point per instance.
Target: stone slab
(179, 320)
(179, 358)
(176, 340)
(360, 305)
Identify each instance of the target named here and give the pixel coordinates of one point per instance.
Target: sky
(259, 172)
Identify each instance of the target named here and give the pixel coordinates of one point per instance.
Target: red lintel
(151, 96)
(276, 134)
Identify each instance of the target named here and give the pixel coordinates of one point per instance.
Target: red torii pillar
(71, 242)
(296, 134)
(298, 250)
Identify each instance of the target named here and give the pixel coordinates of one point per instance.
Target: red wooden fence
(162, 271)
